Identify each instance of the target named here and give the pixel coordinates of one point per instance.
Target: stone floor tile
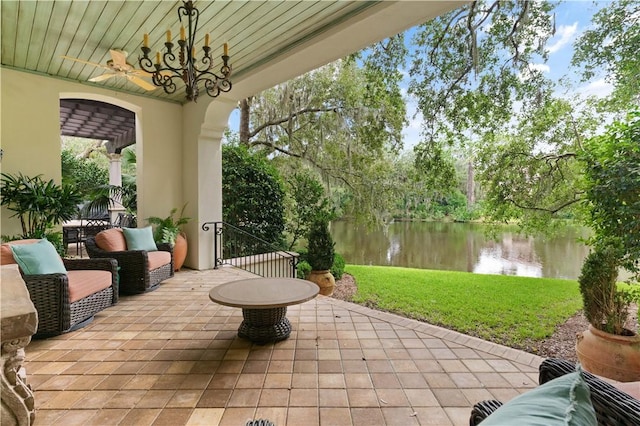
(451, 398)
(458, 415)
(412, 380)
(185, 398)
(304, 381)
(48, 417)
(276, 415)
(434, 416)
(385, 380)
(155, 399)
(399, 416)
(303, 398)
(59, 382)
(114, 382)
(96, 399)
(333, 398)
(205, 417)
(109, 416)
(367, 416)
(335, 416)
(274, 398)
(421, 398)
(235, 416)
(126, 399)
(63, 400)
(247, 381)
(214, 398)
(307, 416)
(362, 398)
(244, 398)
(278, 380)
(76, 417)
(331, 381)
(465, 380)
(173, 417)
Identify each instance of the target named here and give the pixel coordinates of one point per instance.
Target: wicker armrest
(482, 410)
(612, 406)
(100, 264)
(165, 247)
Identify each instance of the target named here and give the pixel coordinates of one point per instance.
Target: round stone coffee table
(264, 304)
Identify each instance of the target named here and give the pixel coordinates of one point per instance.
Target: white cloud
(540, 67)
(566, 34)
(599, 88)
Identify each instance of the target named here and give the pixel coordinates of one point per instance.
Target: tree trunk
(471, 185)
(245, 109)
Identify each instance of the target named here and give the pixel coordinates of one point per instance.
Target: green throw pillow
(139, 239)
(565, 400)
(38, 258)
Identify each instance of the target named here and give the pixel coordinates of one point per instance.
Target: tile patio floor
(172, 357)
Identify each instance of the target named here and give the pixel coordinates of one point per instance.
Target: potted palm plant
(612, 176)
(39, 205)
(320, 255)
(169, 230)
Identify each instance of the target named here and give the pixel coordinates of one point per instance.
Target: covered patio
(172, 357)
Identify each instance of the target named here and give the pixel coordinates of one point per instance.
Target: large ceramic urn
(609, 355)
(324, 280)
(179, 251)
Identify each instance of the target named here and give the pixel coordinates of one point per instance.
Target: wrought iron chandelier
(191, 70)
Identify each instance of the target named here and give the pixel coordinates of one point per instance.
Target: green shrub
(303, 269)
(252, 197)
(338, 266)
(320, 245)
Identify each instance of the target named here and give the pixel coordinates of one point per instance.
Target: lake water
(462, 247)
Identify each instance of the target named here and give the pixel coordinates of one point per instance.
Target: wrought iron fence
(237, 247)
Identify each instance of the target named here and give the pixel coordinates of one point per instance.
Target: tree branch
(278, 121)
(541, 209)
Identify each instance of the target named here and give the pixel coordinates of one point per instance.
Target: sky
(573, 17)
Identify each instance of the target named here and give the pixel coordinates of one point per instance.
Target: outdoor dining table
(264, 304)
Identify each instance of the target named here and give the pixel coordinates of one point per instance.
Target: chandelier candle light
(163, 73)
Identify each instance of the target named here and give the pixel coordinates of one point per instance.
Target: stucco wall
(30, 133)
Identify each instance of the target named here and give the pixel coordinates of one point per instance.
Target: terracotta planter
(324, 280)
(179, 251)
(609, 355)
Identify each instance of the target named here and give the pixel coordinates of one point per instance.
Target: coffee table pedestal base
(265, 325)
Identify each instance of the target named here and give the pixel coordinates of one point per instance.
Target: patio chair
(68, 298)
(124, 220)
(612, 406)
(140, 270)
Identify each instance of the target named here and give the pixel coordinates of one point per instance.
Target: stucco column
(115, 179)
(202, 175)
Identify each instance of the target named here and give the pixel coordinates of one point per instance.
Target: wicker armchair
(135, 275)
(612, 406)
(51, 296)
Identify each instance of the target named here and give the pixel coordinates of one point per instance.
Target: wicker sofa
(68, 301)
(612, 406)
(140, 270)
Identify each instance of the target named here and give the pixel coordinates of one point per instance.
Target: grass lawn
(514, 311)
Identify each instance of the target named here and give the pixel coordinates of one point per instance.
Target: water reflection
(461, 247)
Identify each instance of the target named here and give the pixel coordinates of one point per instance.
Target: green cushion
(139, 239)
(38, 258)
(565, 400)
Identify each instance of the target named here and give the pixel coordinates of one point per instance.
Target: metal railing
(236, 247)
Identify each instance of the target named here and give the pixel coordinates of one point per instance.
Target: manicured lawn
(504, 309)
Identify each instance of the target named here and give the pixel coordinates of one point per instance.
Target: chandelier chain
(165, 72)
